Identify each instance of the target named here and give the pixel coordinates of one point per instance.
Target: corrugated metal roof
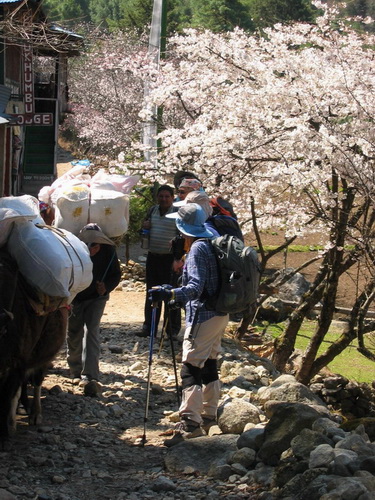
(63, 31)
(4, 118)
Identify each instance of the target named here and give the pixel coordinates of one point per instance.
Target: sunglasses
(180, 191)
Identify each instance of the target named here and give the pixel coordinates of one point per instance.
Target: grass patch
(296, 248)
(303, 248)
(350, 363)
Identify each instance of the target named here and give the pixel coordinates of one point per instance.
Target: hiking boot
(186, 429)
(143, 333)
(84, 380)
(93, 388)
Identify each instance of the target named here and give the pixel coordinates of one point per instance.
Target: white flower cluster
(272, 118)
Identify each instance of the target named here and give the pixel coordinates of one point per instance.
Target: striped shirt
(200, 274)
(162, 231)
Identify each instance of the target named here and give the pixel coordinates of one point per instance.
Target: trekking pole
(163, 332)
(173, 356)
(151, 348)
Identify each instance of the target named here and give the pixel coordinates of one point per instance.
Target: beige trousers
(201, 343)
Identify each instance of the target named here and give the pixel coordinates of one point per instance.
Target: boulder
(286, 422)
(234, 414)
(252, 438)
(303, 444)
(286, 388)
(244, 456)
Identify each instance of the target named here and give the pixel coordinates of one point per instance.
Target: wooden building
(33, 94)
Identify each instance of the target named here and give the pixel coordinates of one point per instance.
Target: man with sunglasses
(187, 186)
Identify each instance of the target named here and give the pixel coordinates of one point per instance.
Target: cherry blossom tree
(106, 92)
(283, 125)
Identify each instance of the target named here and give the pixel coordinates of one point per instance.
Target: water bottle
(145, 239)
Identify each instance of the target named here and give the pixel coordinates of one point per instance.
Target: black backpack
(225, 225)
(239, 274)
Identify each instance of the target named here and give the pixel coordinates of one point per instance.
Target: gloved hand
(173, 305)
(159, 293)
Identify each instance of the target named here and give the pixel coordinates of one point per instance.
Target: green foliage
(296, 248)
(362, 8)
(220, 15)
(67, 10)
(140, 201)
(133, 14)
(105, 11)
(350, 363)
(269, 12)
(216, 15)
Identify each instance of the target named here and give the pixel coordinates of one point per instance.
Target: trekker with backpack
(201, 198)
(223, 218)
(204, 328)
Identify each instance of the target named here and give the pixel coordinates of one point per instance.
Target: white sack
(119, 182)
(110, 209)
(7, 218)
(79, 199)
(54, 261)
(74, 176)
(25, 205)
(72, 208)
(76, 206)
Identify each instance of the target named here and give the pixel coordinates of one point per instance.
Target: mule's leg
(12, 419)
(9, 386)
(35, 417)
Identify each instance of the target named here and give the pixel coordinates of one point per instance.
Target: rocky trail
(88, 448)
(275, 438)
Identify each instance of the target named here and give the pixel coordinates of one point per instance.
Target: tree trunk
(324, 322)
(335, 263)
(284, 345)
(358, 312)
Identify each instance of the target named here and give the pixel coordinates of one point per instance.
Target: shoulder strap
(150, 211)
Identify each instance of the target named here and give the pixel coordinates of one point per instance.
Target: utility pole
(156, 51)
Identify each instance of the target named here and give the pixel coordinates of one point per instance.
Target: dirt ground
(88, 448)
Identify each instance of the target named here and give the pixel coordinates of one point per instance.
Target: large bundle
(53, 261)
(78, 205)
(25, 205)
(79, 199)
(15, 209)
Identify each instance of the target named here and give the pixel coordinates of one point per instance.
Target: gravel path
(88, 448)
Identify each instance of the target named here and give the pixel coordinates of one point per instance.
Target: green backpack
(239, 275)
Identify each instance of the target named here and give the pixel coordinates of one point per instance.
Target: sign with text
(30, 117)
(35, 119)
